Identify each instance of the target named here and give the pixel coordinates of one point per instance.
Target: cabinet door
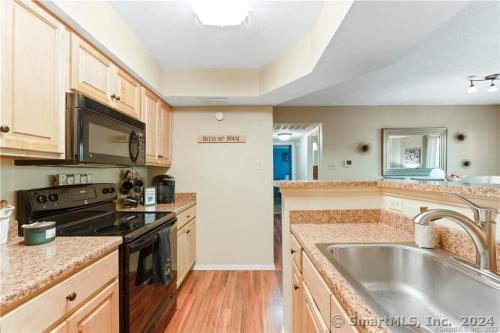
(34, 61)
(191, 235)
(182, 251)
(296, 299)
(128, 94)
(91, 71)
(165, 135)
(100, 314)
(308, 323)
(150, 111)
(61, 328)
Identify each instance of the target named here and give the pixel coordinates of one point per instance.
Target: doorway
(282, 162)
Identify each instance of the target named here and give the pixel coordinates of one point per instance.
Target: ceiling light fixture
(472, 88)
(492, 87)
(284, 136)
(492, 78)
(221, 13)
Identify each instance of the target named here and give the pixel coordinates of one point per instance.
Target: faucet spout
(485, 252)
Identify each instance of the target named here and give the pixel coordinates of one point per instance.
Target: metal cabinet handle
(4, 129)
(292, 251)
(188, 231)
(118, 98)
(295, 287)
(71, 297)
(160, 156)
(188, 216)
(113, 96)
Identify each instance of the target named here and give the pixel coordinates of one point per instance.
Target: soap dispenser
(424, 234)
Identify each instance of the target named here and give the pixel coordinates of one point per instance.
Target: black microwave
(99, 135)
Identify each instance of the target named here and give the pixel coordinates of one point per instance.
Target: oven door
(110, 141)
(146, 304)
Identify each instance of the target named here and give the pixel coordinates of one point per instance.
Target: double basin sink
(417, 290)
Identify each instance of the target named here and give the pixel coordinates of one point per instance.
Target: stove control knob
(105, 190)
(42, 198)
(111, 190)
(53, 197)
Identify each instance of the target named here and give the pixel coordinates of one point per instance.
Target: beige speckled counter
(310, 234)
(25, 271)
(182, 202)
(479, 190)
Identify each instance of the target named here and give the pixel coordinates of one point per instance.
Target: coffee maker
(165, 188)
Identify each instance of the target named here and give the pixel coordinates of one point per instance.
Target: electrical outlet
(395, 204)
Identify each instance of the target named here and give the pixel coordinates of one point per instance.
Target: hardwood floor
(232, 301)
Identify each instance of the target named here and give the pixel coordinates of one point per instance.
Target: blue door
(282, 162)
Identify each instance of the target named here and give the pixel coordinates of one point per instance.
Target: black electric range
(90, 210)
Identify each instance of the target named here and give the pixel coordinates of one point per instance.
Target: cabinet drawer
(317, 287)
(185, 217)
(319, 322)
(44, 310)
(296, 251)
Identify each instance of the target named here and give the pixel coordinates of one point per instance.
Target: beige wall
(13, 178)
(233, 183)
(344, 128)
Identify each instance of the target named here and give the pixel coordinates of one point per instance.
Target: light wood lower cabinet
(100, 314)
(186, 248)
(313, 304)
(34, 78)
(87, 301)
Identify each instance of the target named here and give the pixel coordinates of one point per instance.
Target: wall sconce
(460, 136)
(364, 147)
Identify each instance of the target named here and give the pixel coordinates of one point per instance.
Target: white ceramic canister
(5, 213)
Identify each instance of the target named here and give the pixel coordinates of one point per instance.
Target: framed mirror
(413, 151)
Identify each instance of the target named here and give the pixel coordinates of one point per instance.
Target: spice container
(39, 232)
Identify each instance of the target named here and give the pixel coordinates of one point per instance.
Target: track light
(491, 77)
(492, 87)
(472, 88)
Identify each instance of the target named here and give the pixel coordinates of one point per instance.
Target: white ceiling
(432, 73)
(171, 34)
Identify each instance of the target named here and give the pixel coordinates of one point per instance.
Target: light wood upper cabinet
(91, 72)
(34, 77)
(157, 116)
(165, 135)
(128, 94)
(94, 75)
(150, 115)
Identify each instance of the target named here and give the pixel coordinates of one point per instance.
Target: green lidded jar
(39, 233)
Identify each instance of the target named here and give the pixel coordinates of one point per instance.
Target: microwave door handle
(133, 141)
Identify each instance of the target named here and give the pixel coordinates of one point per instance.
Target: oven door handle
(133, 247)
(134, 146)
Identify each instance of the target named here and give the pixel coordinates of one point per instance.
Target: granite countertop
(182, 202)
(25, 271)
(481, 190)
(310, 234)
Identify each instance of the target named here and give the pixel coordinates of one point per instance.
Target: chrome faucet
(481, 229)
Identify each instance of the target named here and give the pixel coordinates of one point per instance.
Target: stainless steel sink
(401, 282)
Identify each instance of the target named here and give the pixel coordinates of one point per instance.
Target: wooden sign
(221, 139)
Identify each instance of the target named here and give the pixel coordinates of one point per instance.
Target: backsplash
(14, 178)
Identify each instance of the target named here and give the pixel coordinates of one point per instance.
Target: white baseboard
(201, 267)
